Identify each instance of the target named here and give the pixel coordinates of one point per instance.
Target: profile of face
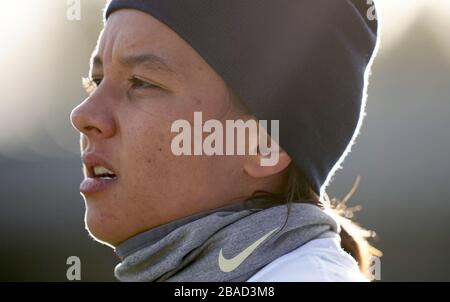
(144, 77)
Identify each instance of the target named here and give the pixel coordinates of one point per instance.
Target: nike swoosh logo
(229, 265)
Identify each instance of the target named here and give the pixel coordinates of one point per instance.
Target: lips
(100, 175)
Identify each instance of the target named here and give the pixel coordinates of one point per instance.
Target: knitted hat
(302, 62)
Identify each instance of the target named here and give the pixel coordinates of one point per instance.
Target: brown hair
(354, 238)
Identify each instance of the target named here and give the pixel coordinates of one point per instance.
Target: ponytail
(354, 238)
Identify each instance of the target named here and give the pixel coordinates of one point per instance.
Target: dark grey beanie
(302, 62)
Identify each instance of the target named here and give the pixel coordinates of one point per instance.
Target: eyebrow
(150, 61)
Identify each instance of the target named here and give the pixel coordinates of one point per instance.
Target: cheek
(153, 170)
(147, 147)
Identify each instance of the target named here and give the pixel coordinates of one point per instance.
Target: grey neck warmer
(227, 244)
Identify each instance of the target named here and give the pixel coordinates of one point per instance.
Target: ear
(254, 167)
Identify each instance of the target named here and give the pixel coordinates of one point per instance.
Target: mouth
(101, 172)
(99, 175)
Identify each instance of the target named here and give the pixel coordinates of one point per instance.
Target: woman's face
(147, 77)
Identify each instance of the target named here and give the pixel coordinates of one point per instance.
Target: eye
(138, 83)
(90, 84)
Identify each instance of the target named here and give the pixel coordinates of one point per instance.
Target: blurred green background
(402, 153)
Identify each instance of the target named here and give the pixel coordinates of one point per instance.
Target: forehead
(133, 32)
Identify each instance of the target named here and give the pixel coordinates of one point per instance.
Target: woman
(224, 216)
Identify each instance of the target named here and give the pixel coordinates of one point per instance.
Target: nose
(93, 119)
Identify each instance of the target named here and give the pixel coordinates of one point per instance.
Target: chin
(103, 228)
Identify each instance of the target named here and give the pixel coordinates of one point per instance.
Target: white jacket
(320, 260)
